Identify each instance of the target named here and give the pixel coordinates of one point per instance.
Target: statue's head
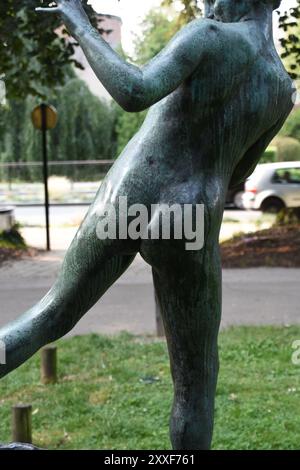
(233, 10)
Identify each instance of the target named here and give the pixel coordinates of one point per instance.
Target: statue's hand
(71, 12)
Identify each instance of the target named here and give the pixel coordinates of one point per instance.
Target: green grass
(12, 239)
(116, 393)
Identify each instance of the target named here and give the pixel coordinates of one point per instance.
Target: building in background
(112, 25)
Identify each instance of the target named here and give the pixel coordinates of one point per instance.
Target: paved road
(250, 296)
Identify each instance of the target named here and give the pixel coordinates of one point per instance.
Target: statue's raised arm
(137, 88)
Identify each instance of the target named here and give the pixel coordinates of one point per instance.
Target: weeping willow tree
(84, 131)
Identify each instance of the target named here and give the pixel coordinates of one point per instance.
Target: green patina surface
(218, 94)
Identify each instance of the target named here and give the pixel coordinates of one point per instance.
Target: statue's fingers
(47, 10)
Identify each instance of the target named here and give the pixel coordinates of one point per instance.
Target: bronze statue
(218, 94)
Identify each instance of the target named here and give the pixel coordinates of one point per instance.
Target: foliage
(13, 131)
(290, 42)
(33, 52)
(288, 149)
(116, 393)
(157, 29)
(291, 127)
(84, 130)
(270, 155)
(189, 10)
(126, 126)
(288, 216)
(12, 238)
(85, 125)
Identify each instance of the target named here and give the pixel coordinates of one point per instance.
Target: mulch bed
(278, 246)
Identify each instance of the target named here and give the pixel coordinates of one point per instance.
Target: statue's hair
(275, 3)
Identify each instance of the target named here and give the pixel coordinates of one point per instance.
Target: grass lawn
(116, 393)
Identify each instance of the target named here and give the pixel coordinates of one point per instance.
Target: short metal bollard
(49, 365)
(21, 423)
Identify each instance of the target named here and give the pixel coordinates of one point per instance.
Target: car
(272, 187)
(234, 196)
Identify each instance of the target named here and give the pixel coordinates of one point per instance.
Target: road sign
(50, 117)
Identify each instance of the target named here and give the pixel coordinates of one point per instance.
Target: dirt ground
(278, 246)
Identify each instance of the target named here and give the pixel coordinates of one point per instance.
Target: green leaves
(33, 51)
(84, 131)
(290, 43)
(190, 10)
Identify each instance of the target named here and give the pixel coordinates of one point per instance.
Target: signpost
(44, 117)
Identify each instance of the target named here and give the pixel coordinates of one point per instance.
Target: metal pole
(45, 172)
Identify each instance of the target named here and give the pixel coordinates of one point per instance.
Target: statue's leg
(90, 267)
(189, 292)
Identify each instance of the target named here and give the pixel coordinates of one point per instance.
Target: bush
(270, 155)
(291, 127)
(12, 238)
(288, 149)
(288, 216)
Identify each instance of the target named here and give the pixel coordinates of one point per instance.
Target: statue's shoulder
(226, 39)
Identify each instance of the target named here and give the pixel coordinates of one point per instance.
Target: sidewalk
(250, 296)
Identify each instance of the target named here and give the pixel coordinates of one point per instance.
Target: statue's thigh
(189, 296)
(186, 242)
